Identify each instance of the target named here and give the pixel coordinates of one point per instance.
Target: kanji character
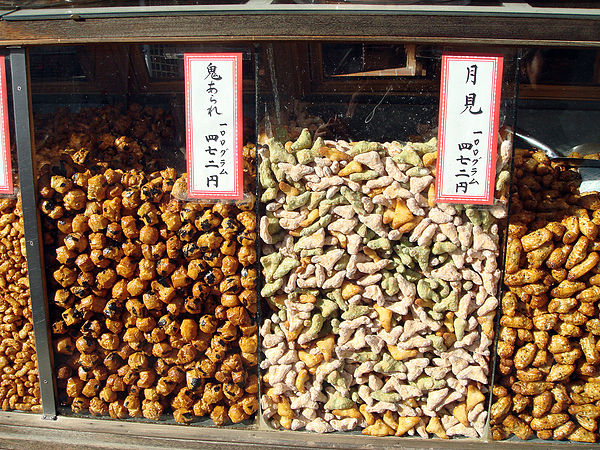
(212, 72)
(470, 104)
(212, 179)
(472, 74)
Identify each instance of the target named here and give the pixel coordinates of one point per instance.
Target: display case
(152, 296)
(342, 301)
(547, 335)
(379, 298)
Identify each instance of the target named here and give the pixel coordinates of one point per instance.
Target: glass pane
(56, 64)
(560, 89)
(547, 338)
(152, 295)
(378, 303)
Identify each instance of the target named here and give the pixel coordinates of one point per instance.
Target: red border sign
(5, 163)
(236, 125)
(449, 123)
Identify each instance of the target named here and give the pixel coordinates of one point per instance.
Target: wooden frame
(264, 21)
(320, 83)
(65, 432)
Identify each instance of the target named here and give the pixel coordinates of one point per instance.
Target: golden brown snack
(547, 348)
(150, 293)
(19, 383)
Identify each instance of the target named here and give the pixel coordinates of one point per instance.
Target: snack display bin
(152, 295)
(381, 298)
(132, 327)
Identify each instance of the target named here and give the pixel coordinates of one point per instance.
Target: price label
(6, 184)
(214, 124)
(468, 128)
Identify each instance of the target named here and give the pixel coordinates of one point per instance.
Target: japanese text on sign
(213, 109)
(469, 114)
(6, 185)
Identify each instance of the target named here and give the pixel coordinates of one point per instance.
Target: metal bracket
(31, 221)
(267, 7)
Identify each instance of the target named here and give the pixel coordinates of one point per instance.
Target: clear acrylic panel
(547, 356)
(152, 296)
(378, 303)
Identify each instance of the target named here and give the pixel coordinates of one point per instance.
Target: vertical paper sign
(6, 185)
(468, 128)
(213, 115)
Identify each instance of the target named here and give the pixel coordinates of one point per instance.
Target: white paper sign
(6, 184)
(468, 130)
(213, 110)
